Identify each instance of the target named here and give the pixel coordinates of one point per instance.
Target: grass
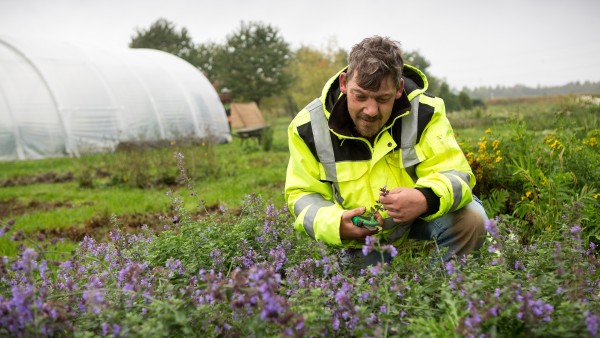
(135, 181)
(104, 184)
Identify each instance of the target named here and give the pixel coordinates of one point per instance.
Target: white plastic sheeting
(60, 99)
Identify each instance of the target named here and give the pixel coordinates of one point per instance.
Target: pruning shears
(367, 222)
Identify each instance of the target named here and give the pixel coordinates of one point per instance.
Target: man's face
(370, 110)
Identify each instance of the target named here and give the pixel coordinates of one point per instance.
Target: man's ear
(400, 89)
(344, 83)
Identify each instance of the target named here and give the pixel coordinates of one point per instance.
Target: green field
(195, 238)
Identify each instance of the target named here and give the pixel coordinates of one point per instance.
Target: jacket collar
(341, 123)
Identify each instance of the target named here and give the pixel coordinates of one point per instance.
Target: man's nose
(371, 108)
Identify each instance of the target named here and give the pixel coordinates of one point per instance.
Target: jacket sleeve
(445, 169)
(309, 199)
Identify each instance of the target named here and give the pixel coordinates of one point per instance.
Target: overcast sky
(468, 42)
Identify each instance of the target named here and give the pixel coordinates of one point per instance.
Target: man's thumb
(358, 211)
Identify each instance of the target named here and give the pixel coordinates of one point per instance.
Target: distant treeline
(524, 91)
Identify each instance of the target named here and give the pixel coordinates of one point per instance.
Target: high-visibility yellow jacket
(331, 171)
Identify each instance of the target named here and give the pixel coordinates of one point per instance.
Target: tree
(465, 100)
(450, 99)
(162, 35)
(315, 68)
(205, 59)
(415, 59)
(253, 61)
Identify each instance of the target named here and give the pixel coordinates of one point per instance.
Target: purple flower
(104, 327)
(492, 228)
(519, 265)
(364, 296)
(591, 321)
(336, 323)
(217, 257)
(340, 296)
(375, 269)
(7, 227)
(174, 265)
(369, 245)
(391, 249)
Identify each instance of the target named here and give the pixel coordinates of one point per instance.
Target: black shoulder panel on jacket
(352, 150)
(306, 133)
(409, 85)
(425, 114)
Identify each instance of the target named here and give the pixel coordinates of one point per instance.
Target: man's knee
(469, 228)
(472, 217)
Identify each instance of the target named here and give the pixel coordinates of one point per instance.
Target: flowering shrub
(260, 279)
(486, 156)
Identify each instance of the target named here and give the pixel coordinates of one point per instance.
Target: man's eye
(361, 97)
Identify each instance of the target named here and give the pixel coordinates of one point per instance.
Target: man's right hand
(350, 231)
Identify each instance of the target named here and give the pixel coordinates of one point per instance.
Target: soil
(98, 226)
(49, 177)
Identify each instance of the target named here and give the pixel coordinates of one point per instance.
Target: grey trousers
(461, 232)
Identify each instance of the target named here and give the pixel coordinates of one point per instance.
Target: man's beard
(367, 130)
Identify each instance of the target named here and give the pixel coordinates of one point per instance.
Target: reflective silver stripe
(306, 201)
(311, 214)
(456, 188)
(408, 138)
(322, 137)
(409, 157)
(461, 174)
(410, 124)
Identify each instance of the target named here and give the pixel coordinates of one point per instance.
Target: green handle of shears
(360, 221)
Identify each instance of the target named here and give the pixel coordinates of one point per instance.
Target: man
(375, 129)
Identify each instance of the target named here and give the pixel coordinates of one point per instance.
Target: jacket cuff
(433, 201)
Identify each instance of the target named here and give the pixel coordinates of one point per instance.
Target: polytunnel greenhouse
(62, 99)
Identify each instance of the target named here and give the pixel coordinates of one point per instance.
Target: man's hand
(404, 204)
(350, 231)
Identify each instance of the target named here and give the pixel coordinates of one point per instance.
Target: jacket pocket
(351, 182)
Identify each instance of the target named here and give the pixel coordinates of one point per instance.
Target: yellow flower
(498, 159)
(592, 142)
(482, 146)
(495, 144)
(556, 145)
(597, 196)
(489, 130)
